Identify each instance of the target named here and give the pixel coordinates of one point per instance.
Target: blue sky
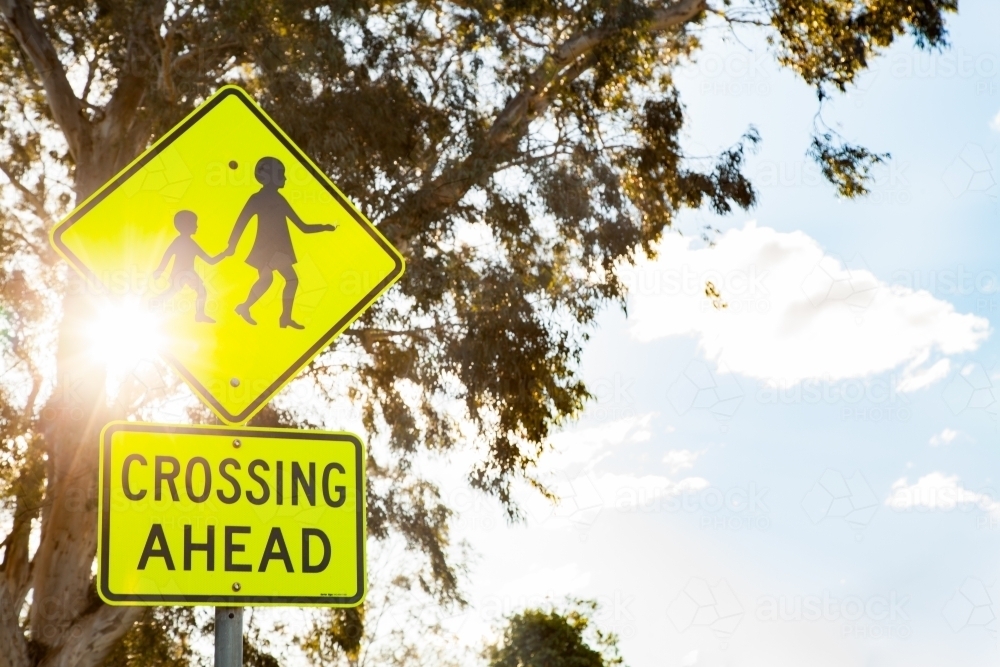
(807, 476)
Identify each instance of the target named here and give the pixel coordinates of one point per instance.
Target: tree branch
(119, 114)
(91, 638)
(533, 98)
(19, 16)
(520, 108)
(37, 205)
(15, 570)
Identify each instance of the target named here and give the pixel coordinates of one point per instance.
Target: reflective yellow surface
(200, 515)
(206, 165)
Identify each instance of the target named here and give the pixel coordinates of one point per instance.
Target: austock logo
(705, 606)
(835, 498)
(888, 183)
(735, 508)
(613, 399)
(873, 617)
(580, 503)
(739, 290)
(981, 69)
(698, 388)
(974, 171)
(854, 286)
(972, 389)
(876, 399)
(741, 73)
(972, 608)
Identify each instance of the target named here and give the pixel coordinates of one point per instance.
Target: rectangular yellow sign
(195, 515)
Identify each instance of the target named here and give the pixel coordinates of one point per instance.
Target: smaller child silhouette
(183, 250)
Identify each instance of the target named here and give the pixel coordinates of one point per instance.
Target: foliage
(846, 166)
(399, 624)
(550, 638)
(518, 153)
(256, 648)
(162, 638)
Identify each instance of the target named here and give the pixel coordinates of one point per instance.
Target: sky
(808, 475)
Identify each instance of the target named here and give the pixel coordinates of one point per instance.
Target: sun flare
(122, 334)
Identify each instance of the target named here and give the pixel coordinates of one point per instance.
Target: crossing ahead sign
(250, 258)
(196, 515)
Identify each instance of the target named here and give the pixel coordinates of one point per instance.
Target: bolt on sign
(250, 257)
(195, 515)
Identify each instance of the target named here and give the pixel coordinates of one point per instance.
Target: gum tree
(517, 152)
(555, 638)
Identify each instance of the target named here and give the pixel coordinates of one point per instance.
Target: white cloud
(582, 492)
(582, 498)
(680, 459)
(590, 444)
(625, 491)
(793, 312)
(938, 492)
(633, 428)
(917, 377)
(945, 437)
(995, 123)
(548, 582)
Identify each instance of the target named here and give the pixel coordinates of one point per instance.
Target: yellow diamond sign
(249, 258)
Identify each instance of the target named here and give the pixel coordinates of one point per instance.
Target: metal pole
(228, 627)
(229, 637)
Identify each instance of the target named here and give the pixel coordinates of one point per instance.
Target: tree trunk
(67, 621)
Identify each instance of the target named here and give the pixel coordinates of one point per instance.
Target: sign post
(252, 262)
(229, 637)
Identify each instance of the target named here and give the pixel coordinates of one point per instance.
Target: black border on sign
(326, 600)
(325, 339)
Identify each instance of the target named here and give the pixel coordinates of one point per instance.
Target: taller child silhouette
(272, 248)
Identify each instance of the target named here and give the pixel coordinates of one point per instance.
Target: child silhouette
(183, 250)
(272, 248)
